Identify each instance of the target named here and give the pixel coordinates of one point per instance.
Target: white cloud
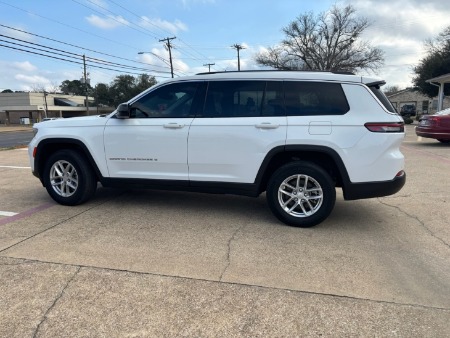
(158, 60)
(108, 22)
(32, 79)
(172, 27)
(25, 66)
(400, 29)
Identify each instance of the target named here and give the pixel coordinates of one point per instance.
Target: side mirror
(123, 111)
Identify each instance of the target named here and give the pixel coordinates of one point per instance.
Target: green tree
(125, 87)
(328, 41)
(7, 91)
(143, 82)
(75, 87)
(435, 63)
(102, 95)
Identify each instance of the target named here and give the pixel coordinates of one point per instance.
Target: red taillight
(34, 152)
(400, 173)
(434, 121)
(385, 127)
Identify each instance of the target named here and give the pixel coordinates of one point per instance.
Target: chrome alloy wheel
(300, 195)
(64, 178)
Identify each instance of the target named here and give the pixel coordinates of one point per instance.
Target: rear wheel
(301, 194)
(444, 141)
(68, 178)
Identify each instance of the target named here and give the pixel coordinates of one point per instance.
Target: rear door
(240, 123)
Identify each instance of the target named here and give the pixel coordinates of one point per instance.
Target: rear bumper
(355, 191)
(428, 133)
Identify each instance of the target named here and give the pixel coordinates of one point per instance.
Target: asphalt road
(15, 138)
(144, 263)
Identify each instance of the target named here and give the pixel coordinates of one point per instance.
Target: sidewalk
(15, 127)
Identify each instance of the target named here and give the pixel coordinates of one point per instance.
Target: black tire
(68, 178)
(312, 206)
(444, 141)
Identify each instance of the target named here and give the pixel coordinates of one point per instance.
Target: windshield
(444, 112)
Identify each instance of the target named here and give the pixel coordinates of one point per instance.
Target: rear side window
(314, 98)
(375, 88)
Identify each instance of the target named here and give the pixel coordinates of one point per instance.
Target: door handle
(267, 125)
(173, 125)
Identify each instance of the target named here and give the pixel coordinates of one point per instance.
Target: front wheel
(301, 194)
(68, 178)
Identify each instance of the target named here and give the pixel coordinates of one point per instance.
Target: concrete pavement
(6, 128)
(147, 263)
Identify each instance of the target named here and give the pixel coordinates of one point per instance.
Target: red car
(435, 126)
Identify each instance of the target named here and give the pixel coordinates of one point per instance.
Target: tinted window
(383, 99)
(314, 98)
(234, 99)
(273, 103)
(173, 100)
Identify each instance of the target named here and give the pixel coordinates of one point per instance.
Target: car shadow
(237, 209)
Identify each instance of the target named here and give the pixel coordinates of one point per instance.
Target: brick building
(423, 104)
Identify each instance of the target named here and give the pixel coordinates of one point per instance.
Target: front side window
(234, 99)
(314, 98)
(170, 101)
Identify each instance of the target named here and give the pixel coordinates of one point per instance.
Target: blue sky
(204, 31)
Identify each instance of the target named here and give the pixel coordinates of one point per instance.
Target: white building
(28, 108)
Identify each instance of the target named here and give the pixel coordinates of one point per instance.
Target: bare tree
(54, 87)
(330, 41)
(37, 88)
(389, 90)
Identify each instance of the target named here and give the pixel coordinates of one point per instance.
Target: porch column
(440, 96)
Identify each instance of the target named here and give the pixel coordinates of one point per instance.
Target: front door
(152, 143)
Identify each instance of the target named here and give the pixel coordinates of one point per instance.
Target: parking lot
(143, 263)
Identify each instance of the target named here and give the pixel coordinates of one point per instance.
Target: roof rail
(276, 70)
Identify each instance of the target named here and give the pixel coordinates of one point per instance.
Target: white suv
(294, 135)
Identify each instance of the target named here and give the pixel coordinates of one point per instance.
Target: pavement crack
(316, 293)
(55, 225)
(58, 297)
(422, 223)
(228, 260)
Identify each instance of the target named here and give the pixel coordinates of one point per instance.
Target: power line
(74, 55)
(63, 24)
(161, 29)
(82, 48)
(71, 61)
(113, 18)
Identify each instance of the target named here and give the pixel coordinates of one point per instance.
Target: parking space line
(426, 153)
(8, 213)
(26, 213)
(13, 167)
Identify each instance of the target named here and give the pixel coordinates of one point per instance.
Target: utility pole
(238, 48)
(46, 106)
(169, 47)
(209, 66)
(86, 84)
